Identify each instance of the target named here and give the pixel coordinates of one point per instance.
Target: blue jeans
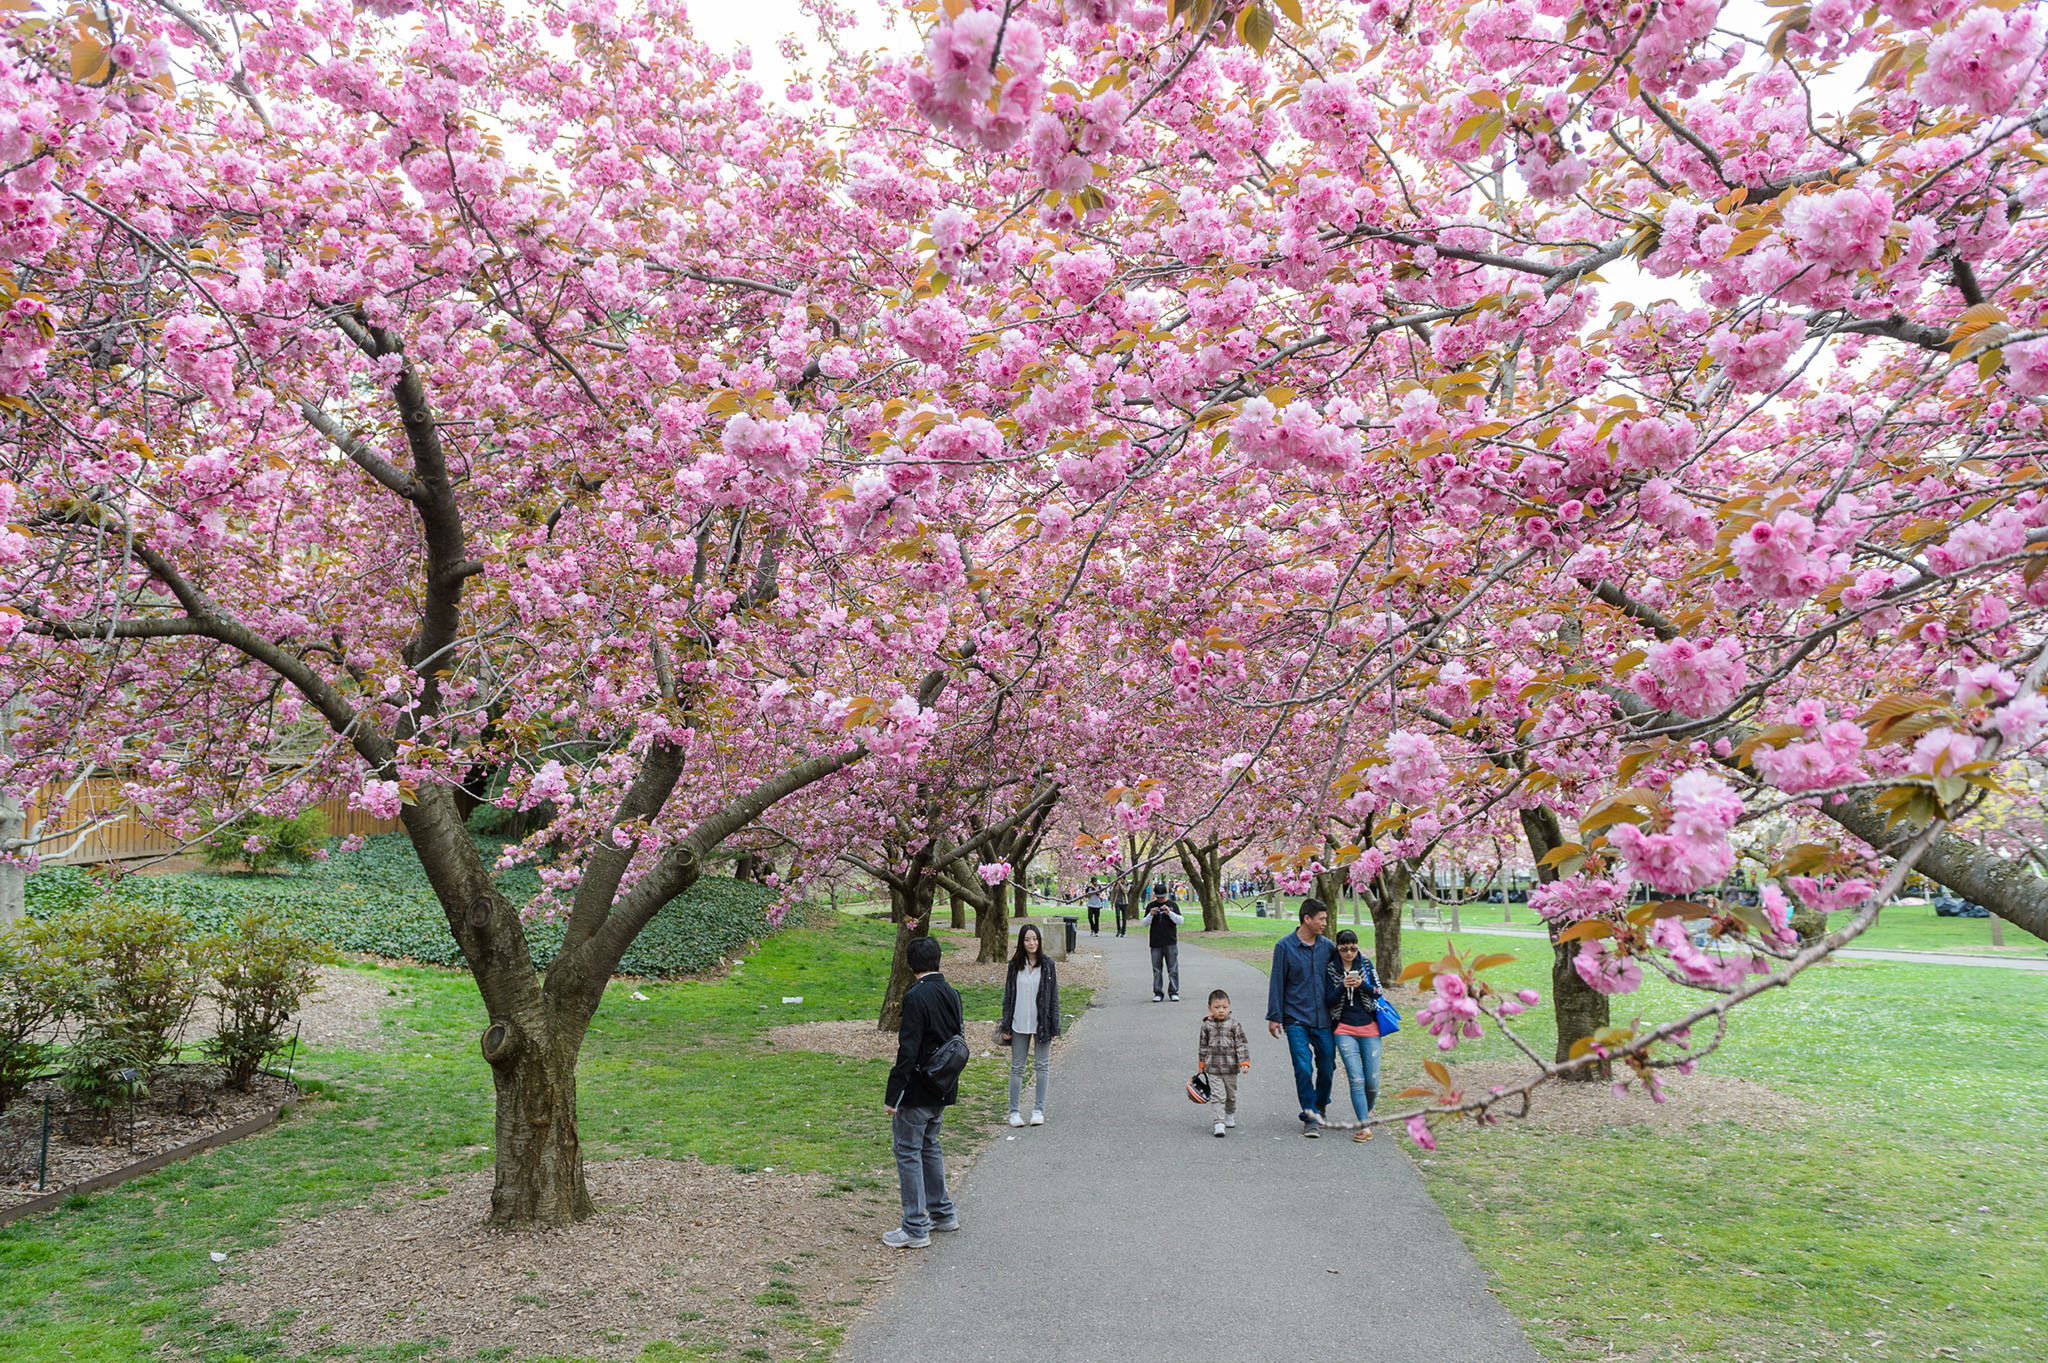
(921, 1169)
(1361, 1055)
(1303, 1045)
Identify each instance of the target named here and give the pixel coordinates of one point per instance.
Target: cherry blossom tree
(1272, 404)
(1370, 322)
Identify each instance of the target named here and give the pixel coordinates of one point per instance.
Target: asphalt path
(1124, 1230)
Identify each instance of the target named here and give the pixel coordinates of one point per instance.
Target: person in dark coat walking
(917, 1105)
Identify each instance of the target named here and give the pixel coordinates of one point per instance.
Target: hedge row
(376, 900)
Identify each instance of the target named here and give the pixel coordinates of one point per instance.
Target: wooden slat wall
(130, 838)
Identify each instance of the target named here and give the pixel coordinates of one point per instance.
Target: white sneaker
(1016, 1119)
(1037, 1117)
(1173, 998)
(1230, 1119)
(1155, 998)
(1219, 1126)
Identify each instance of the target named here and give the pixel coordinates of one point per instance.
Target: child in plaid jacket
(1223, 1053)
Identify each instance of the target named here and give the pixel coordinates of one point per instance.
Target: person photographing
(1163, 919)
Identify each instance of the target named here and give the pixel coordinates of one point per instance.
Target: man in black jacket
(1164, 918)
(917, 1105)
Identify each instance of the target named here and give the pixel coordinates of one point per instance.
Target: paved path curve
(1118, 1231)
(2038, 964)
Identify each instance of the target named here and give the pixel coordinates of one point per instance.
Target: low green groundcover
(376, 900)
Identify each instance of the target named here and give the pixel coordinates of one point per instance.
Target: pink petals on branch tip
(1692, 679)
(1693, 852)
(981, 77)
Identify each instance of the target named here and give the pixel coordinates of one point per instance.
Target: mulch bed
(1696, 1099)
(186, 1103)
(697, 1254)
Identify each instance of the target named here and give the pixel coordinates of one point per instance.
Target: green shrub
(35, 991)
(261, 841)
(136, 977)
(375, 899)
(105, 1065)
(259, 972)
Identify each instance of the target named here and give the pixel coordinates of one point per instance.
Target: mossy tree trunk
(1579, 1008)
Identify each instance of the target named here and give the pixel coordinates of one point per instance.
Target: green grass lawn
(1906, 1218)
(118, 1277)
(1902, 927)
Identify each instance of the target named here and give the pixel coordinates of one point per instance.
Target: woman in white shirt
(1031, 1019)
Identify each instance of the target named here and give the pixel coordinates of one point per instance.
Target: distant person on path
(1350, 988)
(1119, 898)
(1295, 1008)
(1097, 902)
(1163, 919)
(1223, 1052)
(1031, 1019)
(931, 1014)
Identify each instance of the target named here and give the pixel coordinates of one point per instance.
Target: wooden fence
(127, 837)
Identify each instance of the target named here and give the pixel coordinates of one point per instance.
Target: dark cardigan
(1353, 1006)
(1048, 999)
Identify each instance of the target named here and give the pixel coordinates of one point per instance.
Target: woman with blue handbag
(1351, 988)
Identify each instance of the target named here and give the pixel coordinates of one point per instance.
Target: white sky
(760, 25)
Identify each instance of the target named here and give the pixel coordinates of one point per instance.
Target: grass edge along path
(1905, 1218)
(119, 1277)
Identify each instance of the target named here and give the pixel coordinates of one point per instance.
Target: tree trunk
(13, 878)
(13, 826)
(1329, 888)
(991, 928)
(1205, 876)
(539, 1178)
(959, 907)
(913, 913)
(1022, 894)
(1579, 1008)
(1390, 896)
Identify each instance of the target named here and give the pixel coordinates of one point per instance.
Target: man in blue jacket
(917, 1105)
(1295, 1009)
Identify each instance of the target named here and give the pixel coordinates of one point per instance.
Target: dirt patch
(702, 1255)
(185, 1103)
(1695, 1099)
(858, 1039)
(345, 1013)
(1082, 970)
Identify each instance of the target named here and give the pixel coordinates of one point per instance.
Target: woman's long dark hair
(1017, 962)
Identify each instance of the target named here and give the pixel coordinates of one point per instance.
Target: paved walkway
(1119, 1230)
(2039, 964)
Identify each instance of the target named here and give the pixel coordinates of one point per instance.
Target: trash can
(1054, 933)
(1260, 909)
(1073, 922)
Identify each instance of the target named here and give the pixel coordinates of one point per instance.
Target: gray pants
(921, 1169)
(1226, 1081)
(1020, 1045)
(1167, 958)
